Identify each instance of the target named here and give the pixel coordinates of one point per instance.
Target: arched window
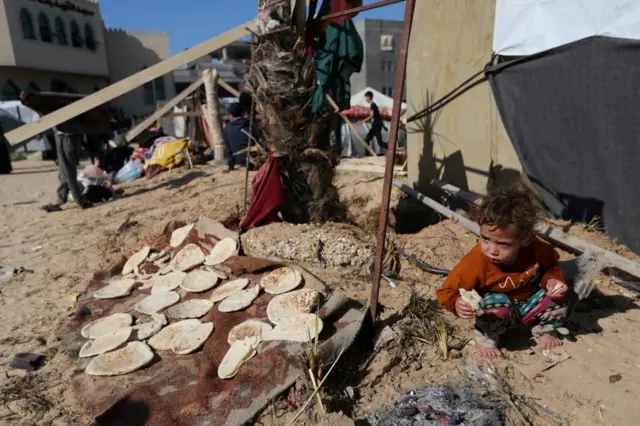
(45, 28)
(10, 92)
(61, 32)
(89, 38)
(158, 85)
(76, 38)
(147, 92)
(26, 21)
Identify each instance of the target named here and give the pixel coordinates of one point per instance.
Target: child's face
(500, 246)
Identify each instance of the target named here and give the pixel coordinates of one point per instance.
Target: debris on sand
(455, 404)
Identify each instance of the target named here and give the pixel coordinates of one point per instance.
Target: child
(516, 274)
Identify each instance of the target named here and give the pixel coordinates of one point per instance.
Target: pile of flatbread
(120, 344)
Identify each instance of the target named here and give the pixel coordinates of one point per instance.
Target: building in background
(63, 46)
(381, 39)
(232, 63)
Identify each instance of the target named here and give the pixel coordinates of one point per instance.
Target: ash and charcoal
(456, 404)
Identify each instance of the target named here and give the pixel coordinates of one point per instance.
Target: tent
(13, 115)
(383, 101)
(565, 83)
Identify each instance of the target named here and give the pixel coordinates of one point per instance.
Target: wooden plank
(367, 168)
(146, 123)
(128, 84)
(228, 88)
(350, 124)
(555, 235)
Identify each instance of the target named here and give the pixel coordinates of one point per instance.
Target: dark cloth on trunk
(573, 116)
(236, 140)
(68, 147)
(5, 155)
(268, 196)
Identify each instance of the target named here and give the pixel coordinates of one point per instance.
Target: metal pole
(360, 9)
(391, 153)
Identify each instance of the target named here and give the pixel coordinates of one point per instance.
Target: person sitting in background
(516, 276)
(235, 138)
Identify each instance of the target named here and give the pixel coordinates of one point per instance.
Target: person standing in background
(376, 125)
(67, 148)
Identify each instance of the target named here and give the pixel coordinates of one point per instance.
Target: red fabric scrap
(268, 196)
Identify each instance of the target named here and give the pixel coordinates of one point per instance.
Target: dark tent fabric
(573, 116)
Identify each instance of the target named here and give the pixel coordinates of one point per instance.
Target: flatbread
(166, 269)
(119, 288)
(147, 329)
(177, 335)
(180, 235)
(168, 282)
(199, 281)
(189, 257)
(126, 360)
(105, 343)
(291, 304)
(194, 308)
(281, 281)
(240, 352)
(106, 325)
(221, 274)
(300, 328)
(136, 260)
(222, 251)
(157, 302)
(185, 343)
(250, 328)
(228, 289)
(471, 297)
(240, 300)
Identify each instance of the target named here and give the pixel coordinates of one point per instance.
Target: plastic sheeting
(526, 27)
(13, 115)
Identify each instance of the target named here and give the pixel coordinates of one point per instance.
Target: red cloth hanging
(328, 7)
(268, 196)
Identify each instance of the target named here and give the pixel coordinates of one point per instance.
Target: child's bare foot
(547, 341)
(489, 353)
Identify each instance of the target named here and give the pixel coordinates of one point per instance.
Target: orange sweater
(518, 280)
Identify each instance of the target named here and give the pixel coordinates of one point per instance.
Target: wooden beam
(555, 235)
(350, 124)
(128, 84)
(228, 88)
(164, 109)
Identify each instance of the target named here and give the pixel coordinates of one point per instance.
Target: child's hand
(464, 310)
(556, 289)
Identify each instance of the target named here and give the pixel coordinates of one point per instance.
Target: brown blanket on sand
(185, 389)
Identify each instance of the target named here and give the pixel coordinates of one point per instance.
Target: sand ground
(60, 251)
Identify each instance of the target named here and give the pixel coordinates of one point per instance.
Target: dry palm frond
(443, 336)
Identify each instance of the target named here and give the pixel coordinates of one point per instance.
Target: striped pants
(500, 313)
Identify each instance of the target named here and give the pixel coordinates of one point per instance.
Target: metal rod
(360, 9)
(391, 153)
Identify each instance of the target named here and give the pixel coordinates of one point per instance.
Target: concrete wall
(451, 40)
(129, 52)
(374, 74)
(82, 84)
(52, 56)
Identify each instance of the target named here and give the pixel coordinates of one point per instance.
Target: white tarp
(383, 101)
(14, 114)
(526, 27)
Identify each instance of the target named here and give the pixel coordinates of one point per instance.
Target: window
(89, 39)
(45, 28)
(26, 21)
(158, 85)
(147, 92)
(390, 91)
(58, 85)
(384, 90)
(10, 92)
(61, 32)
(76, 38)
(387, 43)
